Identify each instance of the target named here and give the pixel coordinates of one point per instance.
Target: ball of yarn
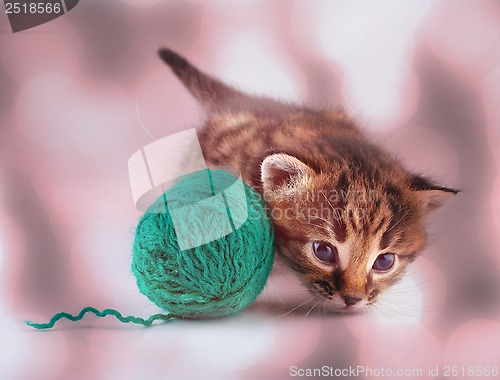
(205, 248)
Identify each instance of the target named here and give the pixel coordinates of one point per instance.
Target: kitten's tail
(210, 92)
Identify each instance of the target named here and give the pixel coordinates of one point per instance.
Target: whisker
(398, 311)
(399, 221)
(328, 201)
(141, 123)
(403, 308)
(311, 309)
(295, 308)
(324, 220)
(393, 314)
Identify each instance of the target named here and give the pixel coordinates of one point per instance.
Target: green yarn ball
(205, 248)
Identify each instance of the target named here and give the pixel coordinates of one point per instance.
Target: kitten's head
(349, 230)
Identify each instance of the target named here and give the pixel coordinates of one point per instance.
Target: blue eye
(384, 262)
(325, 252)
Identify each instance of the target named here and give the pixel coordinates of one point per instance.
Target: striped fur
(322, 180)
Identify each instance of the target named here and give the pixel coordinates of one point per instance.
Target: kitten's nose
(351, 300)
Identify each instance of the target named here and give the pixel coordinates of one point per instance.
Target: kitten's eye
(325, 252)
(384, 262)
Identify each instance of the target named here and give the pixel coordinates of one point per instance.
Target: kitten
(348, 217)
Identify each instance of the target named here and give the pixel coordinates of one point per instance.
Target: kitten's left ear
(282, 175)
(433, 195)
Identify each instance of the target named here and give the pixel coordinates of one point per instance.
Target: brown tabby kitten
(348, 217)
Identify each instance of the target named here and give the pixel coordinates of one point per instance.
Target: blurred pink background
(79, 95)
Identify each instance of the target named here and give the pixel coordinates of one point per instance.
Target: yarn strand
(140, 321)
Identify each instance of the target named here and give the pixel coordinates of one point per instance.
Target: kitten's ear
(432, 194)
(282, 173)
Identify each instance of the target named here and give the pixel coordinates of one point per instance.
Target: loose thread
(100, 314)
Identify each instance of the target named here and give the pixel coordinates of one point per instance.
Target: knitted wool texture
(210, 280)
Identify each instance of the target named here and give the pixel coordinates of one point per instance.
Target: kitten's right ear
(208, 91)
(433, 195)
(283, 175)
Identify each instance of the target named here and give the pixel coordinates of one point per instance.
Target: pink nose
(351, 300)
